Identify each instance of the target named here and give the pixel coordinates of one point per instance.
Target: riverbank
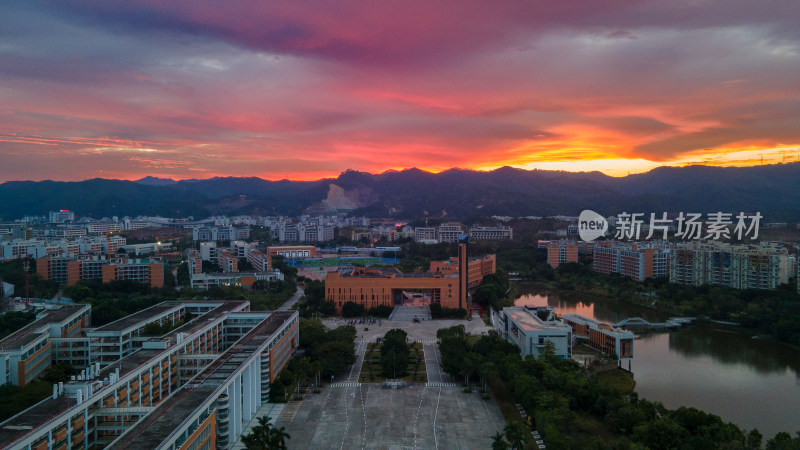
(647, 306)
(710, 366)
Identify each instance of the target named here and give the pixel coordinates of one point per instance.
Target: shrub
(352, 309)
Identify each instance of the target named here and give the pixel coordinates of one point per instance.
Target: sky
(307, 89)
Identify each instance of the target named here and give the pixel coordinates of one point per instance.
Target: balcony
(78, 438)
(78, 422)
(60, 434)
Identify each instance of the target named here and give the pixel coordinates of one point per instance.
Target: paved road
(424, 332)
(421, 332)
(295, 297)
(368, 416)
(433, 366)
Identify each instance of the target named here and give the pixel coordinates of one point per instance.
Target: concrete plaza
(352, 415)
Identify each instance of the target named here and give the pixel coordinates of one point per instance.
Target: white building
(491, 233)
(531, 328)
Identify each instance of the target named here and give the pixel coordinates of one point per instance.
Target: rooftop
(30, 332)
(135, 318)
(18, 426)
(154, 428)
(604, 327)
(528, 320)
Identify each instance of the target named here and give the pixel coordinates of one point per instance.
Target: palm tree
(265, 436)
(498, 443)
(277, 438)
(515, 435)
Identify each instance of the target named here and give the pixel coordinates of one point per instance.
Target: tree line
(573, 410)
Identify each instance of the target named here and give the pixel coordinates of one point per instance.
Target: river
(752, 383)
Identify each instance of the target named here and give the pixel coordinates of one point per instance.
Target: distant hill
(155, 181)
(774, 190)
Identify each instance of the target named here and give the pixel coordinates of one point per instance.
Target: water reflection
(752, 383)
(731, 347)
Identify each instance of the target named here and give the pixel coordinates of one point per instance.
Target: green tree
(515, 434)
(353, 309)
(335, 356)
(59, 371)
(754, 439)
(277, 392)
(395, 353)
(784, 441)
(265, 436)
(498, 443)
(184, 277)
(14, 320)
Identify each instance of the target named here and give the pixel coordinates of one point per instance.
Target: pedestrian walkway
(344, 384)
(292, 300)
(272, 410)
(408, 313)
(440, 384)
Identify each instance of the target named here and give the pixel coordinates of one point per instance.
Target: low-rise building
(293, 251)
(243, 279)
(531, 328)
(601, 336)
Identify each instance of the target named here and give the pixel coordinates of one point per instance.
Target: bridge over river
(639, 323)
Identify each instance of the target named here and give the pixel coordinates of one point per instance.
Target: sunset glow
(304, 90)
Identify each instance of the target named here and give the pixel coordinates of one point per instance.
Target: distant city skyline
(303, 91)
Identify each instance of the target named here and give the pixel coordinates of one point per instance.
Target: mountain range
(773, 190)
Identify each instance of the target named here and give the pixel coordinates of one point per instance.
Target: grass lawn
(416, 371)
(617, 379)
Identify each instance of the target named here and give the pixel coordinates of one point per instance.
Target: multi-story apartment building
(216, 234)
(765, 266)
(638, 260)
(227, 261)
(61, 216)
(103, 227)
(27, 353)
(142, 271)
(491, 233)
(425, 234)
(449, 232)
(260, 261)
(145, 397)
(559, 252)
(20, 248)
(194, 262)
(64, 270)
(208, 251)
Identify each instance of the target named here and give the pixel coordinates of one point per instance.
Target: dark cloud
(368, 85)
